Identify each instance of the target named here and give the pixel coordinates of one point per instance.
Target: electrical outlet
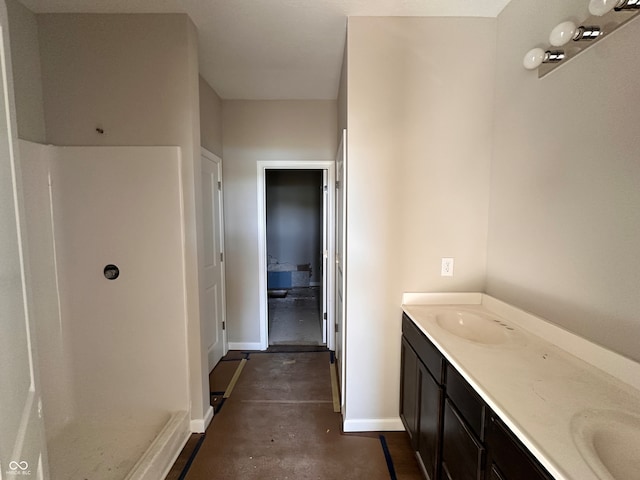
(447, 267)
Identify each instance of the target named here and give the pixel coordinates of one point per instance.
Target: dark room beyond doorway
(294, 234)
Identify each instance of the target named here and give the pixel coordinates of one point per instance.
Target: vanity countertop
(553, 389)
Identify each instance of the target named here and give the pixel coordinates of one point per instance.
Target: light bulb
(537, 56)
(600, 7)
(533, 58)
(563, 33)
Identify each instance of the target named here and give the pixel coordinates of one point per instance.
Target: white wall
(135, 77)
(419, 148)
(255, 131)
(565, 216)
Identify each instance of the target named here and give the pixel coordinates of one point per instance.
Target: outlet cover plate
(447, 267)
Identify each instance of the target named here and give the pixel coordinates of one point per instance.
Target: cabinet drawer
(507, 457)
(467, 401)
(427, 352)
(462, 453)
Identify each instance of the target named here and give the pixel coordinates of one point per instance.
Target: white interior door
(22, 446)
(212, 267)
(340, 283)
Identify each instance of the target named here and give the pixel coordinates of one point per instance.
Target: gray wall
(254, 131)
(125, 74)
(565, 190)
(342, 94)
(210, 118)
(294, 218)
(419, 150)
(27, 77)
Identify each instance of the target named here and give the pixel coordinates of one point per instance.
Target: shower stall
(105, 247)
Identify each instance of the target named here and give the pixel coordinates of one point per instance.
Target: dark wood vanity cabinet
(455, 434)
(462, 452)
(421, 397)
(507, 457)
(463, 436)
(409, 395)
(429, 423)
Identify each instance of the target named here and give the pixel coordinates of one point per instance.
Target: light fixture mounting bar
(590, 32)
(624, 12)
(627, 5)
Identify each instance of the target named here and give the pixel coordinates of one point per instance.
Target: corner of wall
(210, 118)
(27, 72)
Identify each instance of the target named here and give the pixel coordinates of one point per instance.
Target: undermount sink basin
(473, 326)
(609, 441)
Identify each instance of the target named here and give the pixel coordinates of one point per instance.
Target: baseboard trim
(163, 451)
(245, 346)
(199, 425)
(373, 425)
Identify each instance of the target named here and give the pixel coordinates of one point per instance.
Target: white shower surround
(112, 354)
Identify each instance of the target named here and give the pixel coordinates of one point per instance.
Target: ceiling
(273, 49)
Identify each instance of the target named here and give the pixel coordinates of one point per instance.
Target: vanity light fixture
(564, 32)
(537, 56)
(567, 39)
(601, 7)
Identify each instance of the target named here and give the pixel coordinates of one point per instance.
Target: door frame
(218, 161)
(328, 274)
(341, 194)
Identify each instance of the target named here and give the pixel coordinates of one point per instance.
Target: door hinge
(325, 188)
(336, 328)
(221, 257)
(224, 325)
(324, 315)
(337, 184)
(219, 185)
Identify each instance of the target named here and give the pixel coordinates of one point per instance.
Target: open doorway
(294, 237)
(296, 252)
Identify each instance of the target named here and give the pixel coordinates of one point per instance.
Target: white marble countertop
(542, 381)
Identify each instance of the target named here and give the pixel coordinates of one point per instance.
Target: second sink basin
(473, 326)
(609, 441)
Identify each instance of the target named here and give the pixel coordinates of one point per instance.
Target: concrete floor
(296, 319)
(278, 423)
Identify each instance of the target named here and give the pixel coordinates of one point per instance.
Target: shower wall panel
(122, 206)
(52, 331)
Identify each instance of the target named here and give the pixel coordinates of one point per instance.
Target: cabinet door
(409, 391)
(429, 423)
(494, 474)
(507, 458)
(462, 453)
